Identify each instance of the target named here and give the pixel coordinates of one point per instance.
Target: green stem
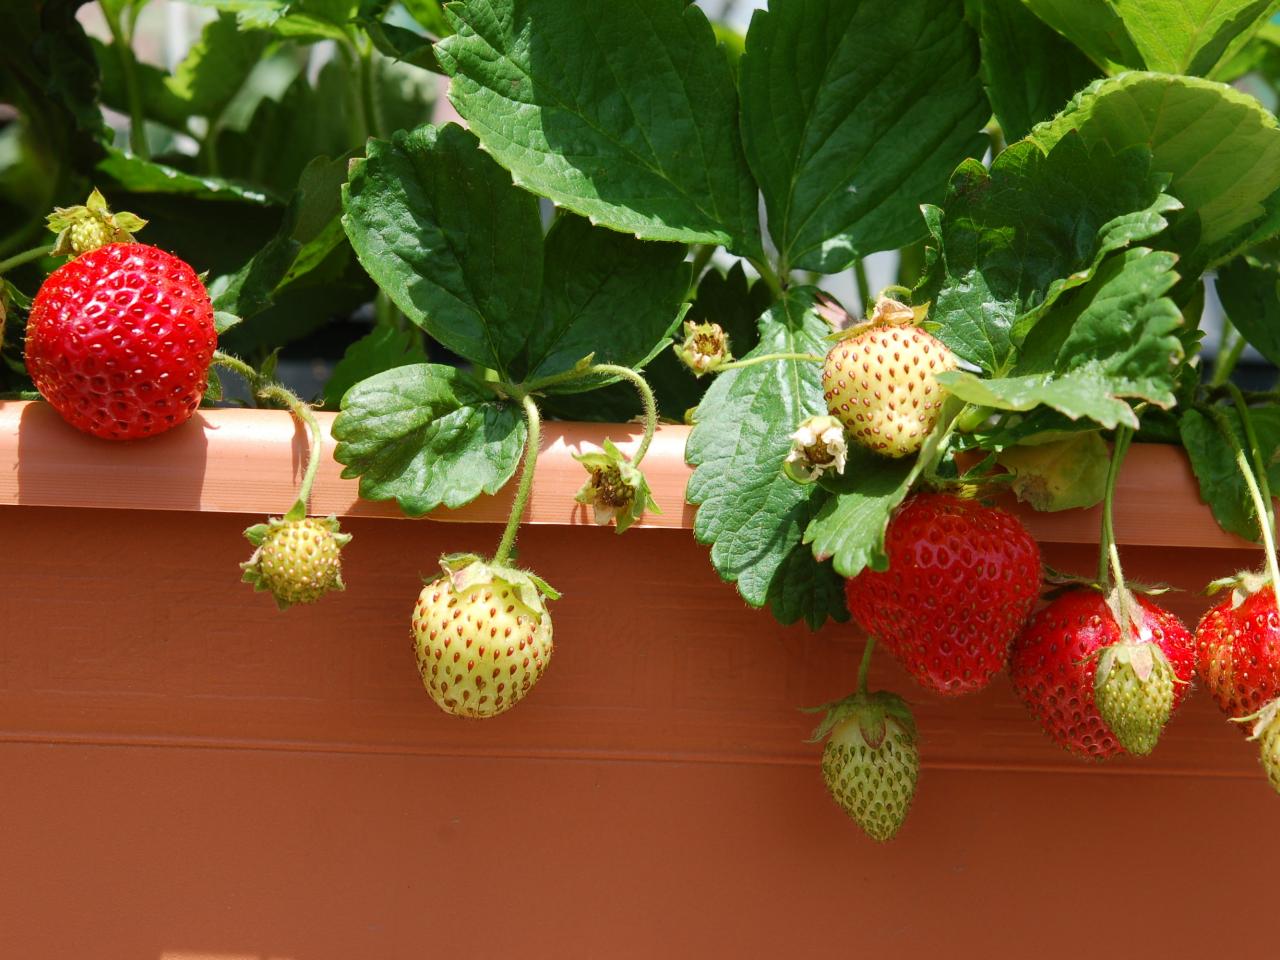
(18, 259)
(527, 469)
(1227, 360)
(1259, 465)
(357, 118)
(1108, 553)
(766, 357)
(646, 397)
(133, 93)
(385, 312)
(864, 668)
(274, 391)
(768, 275)
(250, 375)
(864, 286)
(1260, 506)
(369, 94)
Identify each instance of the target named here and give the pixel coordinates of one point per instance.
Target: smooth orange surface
(191, 775)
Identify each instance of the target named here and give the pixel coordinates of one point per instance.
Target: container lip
(249, 461)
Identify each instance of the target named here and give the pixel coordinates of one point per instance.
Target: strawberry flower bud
(705, 348)
(615, 488)
(818, 445)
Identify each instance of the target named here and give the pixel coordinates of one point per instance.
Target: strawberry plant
(642, 216)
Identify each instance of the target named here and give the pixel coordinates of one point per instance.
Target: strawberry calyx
(887, 312)
(91, 225)
(871, 710)
(466, 570)
(1242, 585)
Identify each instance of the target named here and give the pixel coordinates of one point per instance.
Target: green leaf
(623, 111)
(1250, 294)
(382, 348)
(1213, 460)
(1015, 237)
(223, 321)
(1093, 26)
(439, 227)
(306, 20)
(1063, 474)
(1086, 391)
(1190, 36)
(603, 293)
(214, 69)
(1030, 71)
(394, 40)
(427, 435)
(146, 176)
(849, 528)
(803, 588)
(1220, 147)
(307, 234)
(853, 114)
(750, 513)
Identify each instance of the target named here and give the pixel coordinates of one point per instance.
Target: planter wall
(190, 774)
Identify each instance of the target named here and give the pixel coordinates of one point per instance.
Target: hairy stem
(646, 397)
(1228, 357)
(1261, 508)
(766, 357)
(1120, 447)
(275, 391)
(250, 375)
(864, 285)
(1259, 464)
(527, 468)
(864, 668)
(18, 259)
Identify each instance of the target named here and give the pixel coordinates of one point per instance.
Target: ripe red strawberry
(962, 580)
(1054, 665)
(120, 339)
(482, 636)
(1238, 653)
(881, 381)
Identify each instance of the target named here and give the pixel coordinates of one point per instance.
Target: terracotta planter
(189, 773)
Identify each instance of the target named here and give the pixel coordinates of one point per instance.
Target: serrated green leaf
(1220, 147)
(214, 69)
(1250, 293)
(439, 227)
(146, 176)
(805, 589)
(1086, 391)
(606, 294)
(1213, 460)
(1030, 71)
(750, 513)
(623, 111)
(1014, 238)
(849, 528)
(1093, 26)
(308, 233)
(1064, 474)
(853, 114)
(223, 321)
(383, 348)
(1189, 36)
(427, 436)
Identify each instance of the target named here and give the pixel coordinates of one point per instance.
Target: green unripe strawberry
(881, 382)
(1133, 690)
(870, 763)
(482, 636)
(1271, 753)
(298, 558)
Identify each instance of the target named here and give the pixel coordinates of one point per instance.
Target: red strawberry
(119, 341)
(1054, 663)
(961, 582)
(1238, 653)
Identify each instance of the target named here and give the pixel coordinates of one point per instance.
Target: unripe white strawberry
(482, 636)
(870, 763)
(881, 381)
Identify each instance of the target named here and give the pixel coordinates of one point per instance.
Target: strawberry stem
(534, 421)
(18, 259)
(1260, 506)
(864, 668)
(646, 397)
(1108, 554)
(765, 358)
(1259, 465)
(275, 391)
